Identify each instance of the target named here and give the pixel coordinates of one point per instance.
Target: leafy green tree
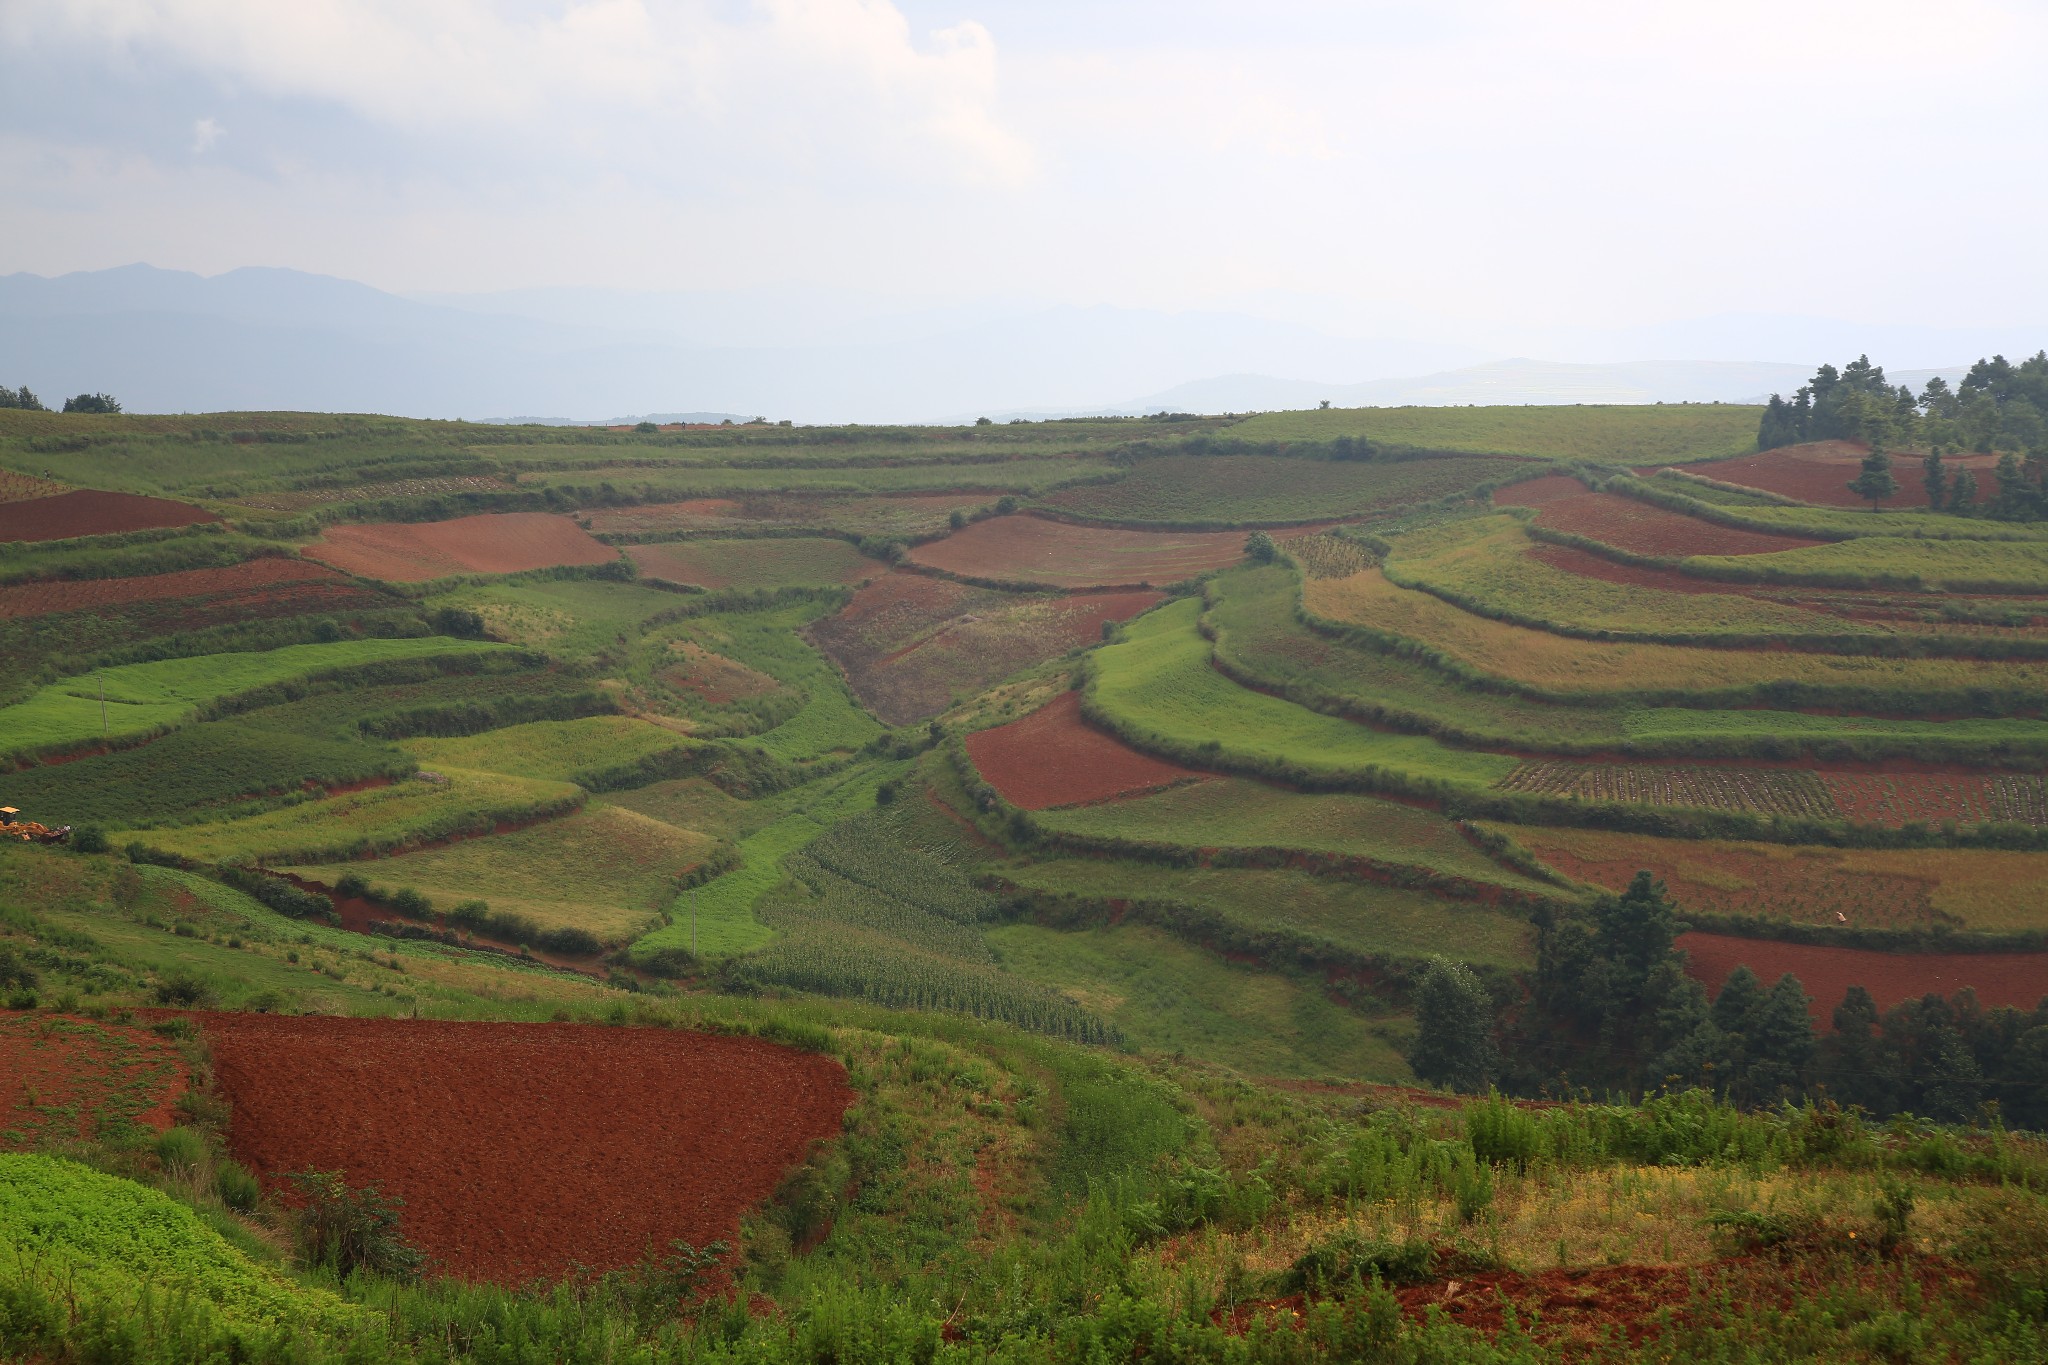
(2025, 1097)
(1260, 548)
(20, 398)
(1693, 1051)
(1855, 1066)
(1962, 492)
(1875, 481)
(1635, 932)
(1934, 478)
(92, 402)
(2015, 499)
(1454, 1027)
(1778, 1043)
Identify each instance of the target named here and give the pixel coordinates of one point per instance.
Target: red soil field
(496, 542)
(1053, 757)
(1641, 529)
(1932, 796)
(1028, 549)
(89, 512)
(1820, 471)
(523, 1150)
(63, 1078)
(1539, 491)
(2016, 979)
(43, 599)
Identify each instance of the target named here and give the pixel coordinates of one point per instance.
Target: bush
(181, 1150)
(568, 941)
(470, 916)
(91, 402)
(183, 989)
(352, 886)
(236, 1187)
(89, 839)
(349, 1230)
(409, 903)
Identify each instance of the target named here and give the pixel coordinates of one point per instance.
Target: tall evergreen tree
(1454, 1027)
(1778, 1043)
(1740, 995)
(1962, 492)
(1854, 1064)
(1875, 481)
(1934, 479)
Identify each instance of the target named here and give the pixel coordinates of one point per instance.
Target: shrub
(89, 839)
(352, 886)
(348, 1230)
(568, 941)
(470, 915)
(409, 903)
(181, 1150)
(182, 988)
(236, 1187)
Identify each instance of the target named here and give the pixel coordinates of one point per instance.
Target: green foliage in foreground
(146, 699)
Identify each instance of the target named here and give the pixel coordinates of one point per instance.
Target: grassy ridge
(1156, 687)
(670, 483)
(555, 750)
(1667, 433)
(149, 698)
(1240, 490)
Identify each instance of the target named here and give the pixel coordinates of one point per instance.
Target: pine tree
(1740, 994)
(1875, 482)
(1854, 1066)
(1454, 1026)
(1935, 479)
(1692, 1051)
(1962, 492)
(1778, 1042)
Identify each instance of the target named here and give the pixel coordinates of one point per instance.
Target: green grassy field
(557, 750)
(1938, 565)
(1235, 813)
(1665, 434)
(1169, 997)
(378, 819)
(1158, 688)
(1235, 490)
(604, 869)
(574, 619)
(1352, 917)
(829, 720)
(671, 482)
(147, 698)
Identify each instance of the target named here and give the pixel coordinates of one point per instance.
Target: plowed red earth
(1641, 529)
(63, 1078)
(1028, 549)
(1539, 492)
(498, 542)
(1053, 757)
(43, 599)
(524, 1150)
(89, 512)
(1820, 471)
(2016, 979)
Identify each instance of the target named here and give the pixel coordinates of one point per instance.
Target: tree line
(24, 399)
(1610, 1007)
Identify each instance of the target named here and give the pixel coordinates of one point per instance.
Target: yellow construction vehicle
(12, 826)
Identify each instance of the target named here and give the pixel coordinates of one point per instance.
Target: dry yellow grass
(1556, 663)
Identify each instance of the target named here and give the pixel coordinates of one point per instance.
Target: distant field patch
(909, 516)
(556, 750)
(64, 1079)
(604, 869)
(2016, 979)
(1820, 472)
(2015, 566)
(17, 487)
(1988, 890)
(712, 677)
(1539, 492)
(1054, 758)
(1643, 529)
(141, 699)
(375, 820)
(688, 482)
(757, 563)
(1759, 791)
(576, 619)
(1233, 813)
(1968, 798)
(1028, 549)
(1270, 490)
(1668, 433)
(910, 644)
(498, 542)
(90, 512)
(251, 576)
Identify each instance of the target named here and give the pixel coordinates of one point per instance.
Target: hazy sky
(1376, 166)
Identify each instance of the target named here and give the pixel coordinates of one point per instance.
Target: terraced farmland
(414, 552)
(1042, 552)
(755, 564)
(1252, 490)
(1600, 432)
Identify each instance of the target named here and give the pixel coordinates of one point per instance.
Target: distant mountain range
(270, 339)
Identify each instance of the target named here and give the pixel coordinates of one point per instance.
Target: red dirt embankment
(87, 594)
(494, 542)
(64, 1078)
(2016, 979)
(1643, 529)
(1819, 472)
(1053, 757)
(1028, 549)
(525, 1150)
(90, 512)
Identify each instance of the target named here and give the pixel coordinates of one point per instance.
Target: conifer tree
(1454, 1026)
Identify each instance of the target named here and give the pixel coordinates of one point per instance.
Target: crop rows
(1220, 490)
(1760, 791)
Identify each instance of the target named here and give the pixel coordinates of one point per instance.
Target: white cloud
(206, 132)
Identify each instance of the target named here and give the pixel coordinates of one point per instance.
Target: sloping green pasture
(554, 750)
(1670, 433)
(1238, 490)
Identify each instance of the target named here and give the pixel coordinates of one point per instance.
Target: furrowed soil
(528, 1150)
(1053, 757)
(1029, 549)
(910, 644)
(255, 575)
(64, 1078)
(1819, 472)
(1642, 529)
(2016, 979)
(497, 542)
(88, 512)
